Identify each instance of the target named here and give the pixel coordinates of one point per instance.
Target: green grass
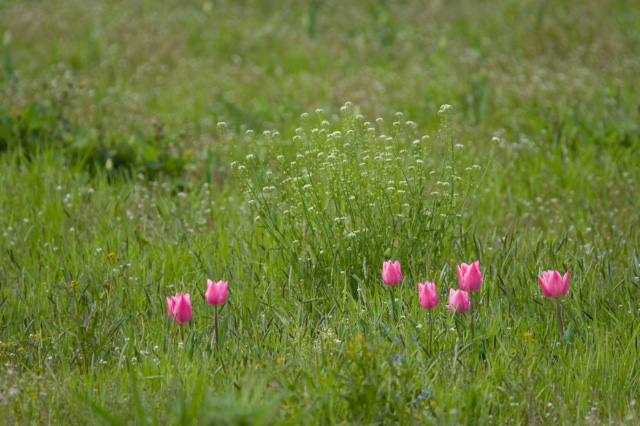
(148, 146)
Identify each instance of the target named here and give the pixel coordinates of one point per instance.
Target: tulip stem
(181, 333)
(216, 323)
(471, 305)
(393, 305)
(430, 334)
(559, 311)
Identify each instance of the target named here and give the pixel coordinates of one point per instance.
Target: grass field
(291, 147)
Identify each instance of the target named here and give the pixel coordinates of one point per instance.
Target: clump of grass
(344, 196)
(37, 127)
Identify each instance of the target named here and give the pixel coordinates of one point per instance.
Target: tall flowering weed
(340, 196)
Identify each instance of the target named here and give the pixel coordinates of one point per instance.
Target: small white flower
(444, 108)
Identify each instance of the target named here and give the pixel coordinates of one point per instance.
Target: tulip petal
(169, 305)
(547, 286)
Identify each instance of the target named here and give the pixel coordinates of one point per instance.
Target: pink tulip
(216, 293)
(171, 304)
(180, 307)
(427, 295)
(553, 284)
(391, 273)
(458, 299)
(469, 276)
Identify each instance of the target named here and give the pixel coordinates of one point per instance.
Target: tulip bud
(458, 299)
(553, 284)
(469, 276)
(179, 306)
(427, 295)
(391, 273)
(216, 293)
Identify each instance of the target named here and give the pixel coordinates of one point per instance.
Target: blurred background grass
(142, 85)
(515, 65)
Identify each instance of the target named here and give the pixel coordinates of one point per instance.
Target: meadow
(291, 148)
